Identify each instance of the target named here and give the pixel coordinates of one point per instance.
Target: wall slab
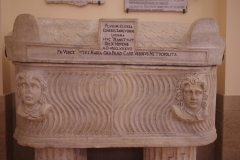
(3, 136)
(76, 2)
(6, 127)
(227, 124)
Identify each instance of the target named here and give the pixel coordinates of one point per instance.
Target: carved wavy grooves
(93, 92)
(143, 105)
(212, 104)
(102, 103)
(82, 106)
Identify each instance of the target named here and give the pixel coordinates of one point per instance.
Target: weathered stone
(153, 43)
(116, 83)
(76, 2)
(120, 106)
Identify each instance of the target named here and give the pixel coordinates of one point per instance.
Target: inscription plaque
(76, 2)
(156, 5)
(120, 41)
(117, 39)
(75, 55)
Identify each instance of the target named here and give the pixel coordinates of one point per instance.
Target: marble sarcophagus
(114, 83)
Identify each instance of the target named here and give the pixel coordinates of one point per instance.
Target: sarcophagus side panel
(101, 106)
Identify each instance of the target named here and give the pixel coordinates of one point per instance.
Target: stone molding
(197, 44)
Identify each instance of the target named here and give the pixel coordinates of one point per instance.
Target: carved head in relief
(31, 90)
(193, 91)
(192, 97)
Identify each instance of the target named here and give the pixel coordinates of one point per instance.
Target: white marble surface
(78, 41)
(120, 106)
(115, 83)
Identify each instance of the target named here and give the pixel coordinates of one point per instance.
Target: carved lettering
(156, 5)
(76, 2)
(127, 51)
(64, 51)
(117, 37)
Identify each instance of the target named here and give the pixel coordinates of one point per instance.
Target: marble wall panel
(231, 125)
(2, 135)
(2, 103)
(227, 145)
(231, 103)
(205, 152)
(218, 142)
(6, 131)
(9, 100)
(231, 148)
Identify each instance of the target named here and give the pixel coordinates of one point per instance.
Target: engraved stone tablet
(156, 5)
(117, 37)
(76, 2)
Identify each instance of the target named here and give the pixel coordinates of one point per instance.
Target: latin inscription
(65, 51)
(133, 53)
(75, 54)
(156, 5)
(117, 37)
(75, 2)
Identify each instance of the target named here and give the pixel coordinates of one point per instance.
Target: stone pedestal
(60, 154)
(170, 153)
(114, 83)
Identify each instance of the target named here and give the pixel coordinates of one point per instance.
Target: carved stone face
(193, 95)
(30, 91)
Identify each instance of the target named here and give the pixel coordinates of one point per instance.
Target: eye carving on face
(31, 90)
(192, 97)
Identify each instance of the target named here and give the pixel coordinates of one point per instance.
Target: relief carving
(192, 99)
(105, 106)
(31, 91)
(76, 2)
